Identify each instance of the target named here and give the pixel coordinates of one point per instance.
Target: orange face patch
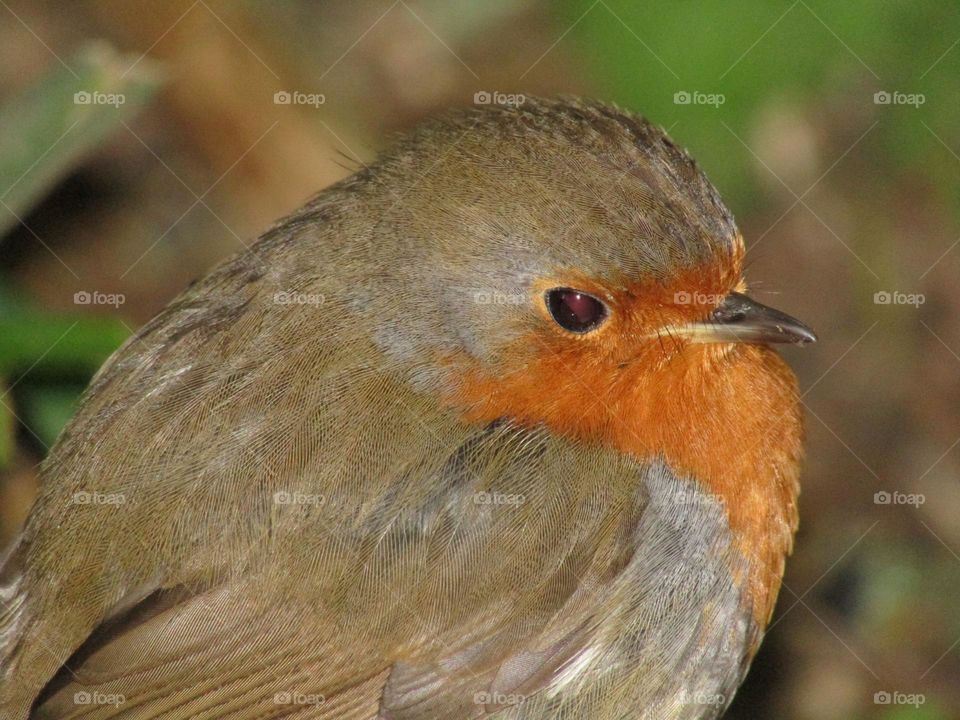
(725, 415)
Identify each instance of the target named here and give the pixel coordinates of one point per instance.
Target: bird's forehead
(497, 199)
(554, 204)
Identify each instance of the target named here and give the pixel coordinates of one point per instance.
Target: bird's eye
(574, 310)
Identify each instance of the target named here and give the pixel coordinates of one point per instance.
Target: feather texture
(268, 507)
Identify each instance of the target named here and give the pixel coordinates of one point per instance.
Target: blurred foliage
(812, 54)
(47, 132)
(64, 117)
(51, 343)
(7, 430)
(49, 347)
(48, 408)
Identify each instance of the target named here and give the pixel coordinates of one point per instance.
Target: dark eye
(574, 310)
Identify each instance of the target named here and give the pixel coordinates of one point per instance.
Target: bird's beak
(740, 319)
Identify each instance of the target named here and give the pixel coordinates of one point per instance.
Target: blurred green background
(141, 142)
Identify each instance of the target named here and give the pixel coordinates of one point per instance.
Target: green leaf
(52, 126)
(48, 408)
(40, 342)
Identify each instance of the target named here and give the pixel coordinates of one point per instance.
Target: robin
(489, 429)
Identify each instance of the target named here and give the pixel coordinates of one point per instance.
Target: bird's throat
(730, 420)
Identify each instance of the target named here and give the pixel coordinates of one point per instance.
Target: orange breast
(727, 416)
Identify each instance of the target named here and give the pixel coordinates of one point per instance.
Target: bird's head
(560, 232)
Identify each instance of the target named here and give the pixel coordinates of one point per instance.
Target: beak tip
(803, 335)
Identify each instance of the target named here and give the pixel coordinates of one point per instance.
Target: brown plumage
(360, 471)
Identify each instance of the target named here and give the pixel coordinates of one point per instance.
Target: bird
(489, 429)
